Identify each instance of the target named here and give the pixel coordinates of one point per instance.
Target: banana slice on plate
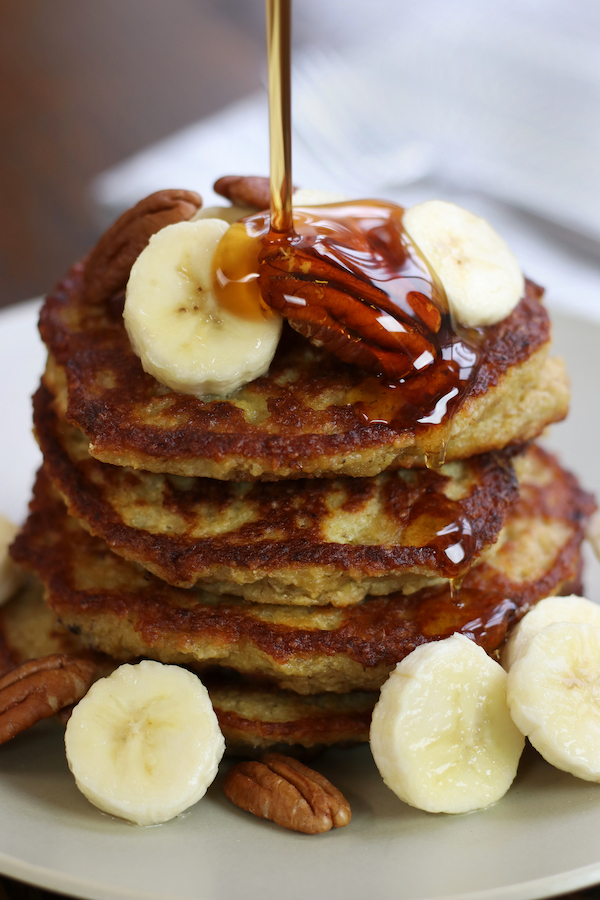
(144, 744)
(441, 735)
(478, 271)
(554, 696)
(11, 575)
(183, 336)
(547, 612)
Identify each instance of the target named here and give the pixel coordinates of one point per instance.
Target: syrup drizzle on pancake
(366, 239)
(390, 281)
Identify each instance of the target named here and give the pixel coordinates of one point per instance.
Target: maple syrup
(397, 301)
(442, 527)
(235, 265)
(359, 249)
(279, 16)
(365, 238)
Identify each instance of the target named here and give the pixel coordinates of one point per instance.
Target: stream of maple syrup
(279, 29)
(366, 239)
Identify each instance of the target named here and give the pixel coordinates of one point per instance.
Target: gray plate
(541, 839)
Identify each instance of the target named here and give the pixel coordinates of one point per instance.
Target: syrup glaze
(366, 240)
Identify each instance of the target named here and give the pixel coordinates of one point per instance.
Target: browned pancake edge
(311, 416)
(307, 542)
(119, 608)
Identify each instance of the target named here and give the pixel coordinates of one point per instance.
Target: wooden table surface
(84, 84)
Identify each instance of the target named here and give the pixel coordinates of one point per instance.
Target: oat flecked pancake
(312, 542)
(292, 541)
(253, 717)
(310, 416)
(117, 607)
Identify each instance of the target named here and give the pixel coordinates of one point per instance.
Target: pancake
(310, 416)
(29, 629)
(119, 608)
(327, 541)
(253, 717)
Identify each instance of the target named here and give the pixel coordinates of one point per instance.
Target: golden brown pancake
(311, 416)
(312, 542)
(256, 717)
(29, 629)
(119, 608)
(253, 717)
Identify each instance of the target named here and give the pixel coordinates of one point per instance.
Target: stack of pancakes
(288, 543)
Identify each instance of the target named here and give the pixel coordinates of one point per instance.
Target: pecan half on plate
(40, 688)
(288, 793)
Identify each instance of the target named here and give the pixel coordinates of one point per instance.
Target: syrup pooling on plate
(352, 269)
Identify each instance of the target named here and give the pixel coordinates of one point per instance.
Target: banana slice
(554, 697)
(441, 735)
(11, 575)
(544, 613)
(183, 336)
(480, 275)
(144, 744)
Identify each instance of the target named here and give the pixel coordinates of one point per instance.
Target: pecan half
(108, 266)
(245, 190)
(39, 688)
(288, 793)
(347, 315)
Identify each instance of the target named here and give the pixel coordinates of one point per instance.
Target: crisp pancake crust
(119, 608)
(253, 717)
(29, 629)
(311, 416)
(301, 542)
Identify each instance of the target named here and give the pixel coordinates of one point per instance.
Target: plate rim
(75, 886)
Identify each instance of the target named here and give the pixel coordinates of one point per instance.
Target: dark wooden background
(86, 83)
